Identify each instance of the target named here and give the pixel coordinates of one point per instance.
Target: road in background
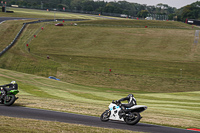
(2, 19)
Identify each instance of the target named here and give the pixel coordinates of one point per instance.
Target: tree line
(191, 11)
(120, 7)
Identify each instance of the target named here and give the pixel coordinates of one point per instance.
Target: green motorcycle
(8, 92)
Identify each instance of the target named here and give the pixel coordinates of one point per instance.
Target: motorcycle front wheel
(9, 100)
(105, 116)
(132, 118)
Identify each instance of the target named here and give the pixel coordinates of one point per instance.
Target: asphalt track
(2, 19)
(23, 112)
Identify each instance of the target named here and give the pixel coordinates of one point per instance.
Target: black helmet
(130, 95)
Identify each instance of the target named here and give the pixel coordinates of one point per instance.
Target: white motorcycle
(117, 112)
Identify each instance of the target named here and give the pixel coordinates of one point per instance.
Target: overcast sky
(172, 3)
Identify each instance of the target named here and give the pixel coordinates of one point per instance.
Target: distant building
(149, 18)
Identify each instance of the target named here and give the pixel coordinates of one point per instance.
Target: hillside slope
(141, 59)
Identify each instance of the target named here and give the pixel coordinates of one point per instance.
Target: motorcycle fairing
(137, 108)
(115, 112)
(13, 92)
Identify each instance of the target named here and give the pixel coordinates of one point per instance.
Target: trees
(142, 13)
(189, 12)
(120, 7)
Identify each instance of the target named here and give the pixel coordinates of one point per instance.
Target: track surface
(23, 112)
(12, 18)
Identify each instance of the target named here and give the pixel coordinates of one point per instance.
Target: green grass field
(160, 65)
(146, 59)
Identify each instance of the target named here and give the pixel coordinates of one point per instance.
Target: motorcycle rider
(131, 101)
(8, 87)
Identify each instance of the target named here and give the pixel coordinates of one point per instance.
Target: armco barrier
(13, 42)
(48, 20)
(39, 21)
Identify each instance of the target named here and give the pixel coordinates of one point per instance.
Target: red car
(59, 24)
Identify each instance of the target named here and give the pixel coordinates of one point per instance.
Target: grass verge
(9, 125)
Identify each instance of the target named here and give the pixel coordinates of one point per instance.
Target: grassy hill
(159, 65)
(140, 59)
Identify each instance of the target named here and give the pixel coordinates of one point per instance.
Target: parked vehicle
(8, 92)
(59, 24)
(51, 77)
(130, 115)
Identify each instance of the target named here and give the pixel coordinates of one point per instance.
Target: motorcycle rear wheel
(9, 100)
(133, 118)
(105, 116)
